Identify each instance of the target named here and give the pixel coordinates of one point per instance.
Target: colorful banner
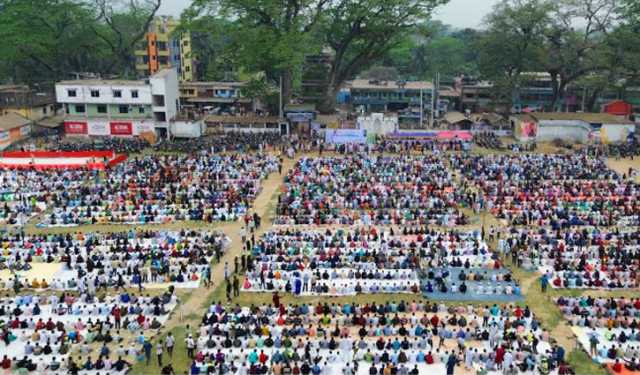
(25, 130)
(342, 136)
(121, 128)
(99, 128)
(140, 127)
(75, 127)
(529, 129)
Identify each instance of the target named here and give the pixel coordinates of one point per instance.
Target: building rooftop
(366, 84)
(242, 119)
(103, 82)
(163, 73)
(479, 84)
(14, 88)
(592, 118)
(217, 100)
(213, 84)
(12, 120)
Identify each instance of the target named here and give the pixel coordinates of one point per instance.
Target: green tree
(123, 23)
(570, 52)
(46, 40)
(512, 44)
(361, 32)
(212, 46)
(270, 36)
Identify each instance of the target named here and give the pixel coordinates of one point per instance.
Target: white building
(120, 107)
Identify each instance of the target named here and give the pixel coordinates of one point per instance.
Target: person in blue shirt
(147, 351)
(316, 370)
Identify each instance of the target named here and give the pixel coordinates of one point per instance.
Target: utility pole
(421, 109)
(433, 96)
(280, 99)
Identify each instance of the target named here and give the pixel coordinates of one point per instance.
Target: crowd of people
(123, 145)
(422, 146)
(608, 328)
(339, 262)
(222, 143)
(365, 189)
(71, 334)
(488, 140)
(551, 190)
(94, 261)
(149, 189)
(396, 337)
(579, 257)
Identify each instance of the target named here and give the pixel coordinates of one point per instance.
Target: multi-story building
(31, 104)
(163, 47)
(119, 107)
(475, 96)
(402, 97)
(221, 97)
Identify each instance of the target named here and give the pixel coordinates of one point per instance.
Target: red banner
(75, 127)
(121, 128)
(58, 154)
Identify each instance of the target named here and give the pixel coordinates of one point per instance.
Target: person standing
(159, 352)
(147, 350)
(236, 287)
(191, 345)
(170, 342)
(544, 283)
(451, 363)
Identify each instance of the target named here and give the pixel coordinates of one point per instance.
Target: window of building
(141, 110)
(158, 100)
(102, 108)
(123, 109)
(71, 93)
(117, 93)
(79, 108)
(95, 93)
(134, 93)
(44, 110)
(187, 68)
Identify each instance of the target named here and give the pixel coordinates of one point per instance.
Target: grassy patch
(583, 364)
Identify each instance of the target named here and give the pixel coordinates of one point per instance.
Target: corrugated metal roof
(12, 120)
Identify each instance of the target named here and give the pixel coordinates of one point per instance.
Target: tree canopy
(48, 40)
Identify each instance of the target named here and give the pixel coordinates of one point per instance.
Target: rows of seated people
(608, 328)
(424, 146)
(149, 189)
(579, 257)
(488, 140)
(339, 262)
(43, 332)
(133, 145)
(365, 189)
(402, 338)
(460, 264)
(227, 142)
(18, 203)
(552, 190)
(99, 260)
